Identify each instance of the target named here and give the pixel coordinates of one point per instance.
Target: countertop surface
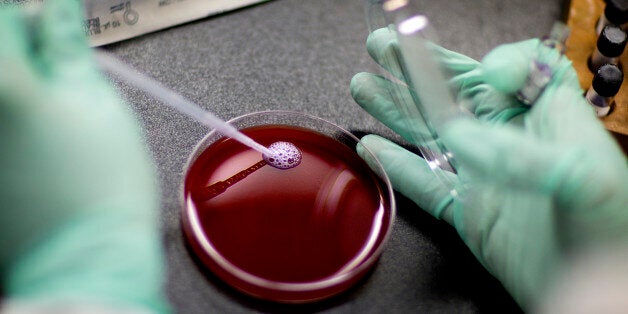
(301, 55)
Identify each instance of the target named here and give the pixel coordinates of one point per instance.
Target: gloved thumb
(506, 67)
(509, 61)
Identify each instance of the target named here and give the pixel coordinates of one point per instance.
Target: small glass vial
(540, 72)
(557, 37)
(610, 45)
(539, 76)
(615, 13)
(606, 83)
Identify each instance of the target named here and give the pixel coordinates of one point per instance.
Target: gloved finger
(507, 67)
(383, 47)
(410, 175)
(488, 91)
(63, 45)
(465, 78)
(16, 67)
(379, 97)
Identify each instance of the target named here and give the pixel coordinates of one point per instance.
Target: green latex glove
(79, 196)
(540, 183)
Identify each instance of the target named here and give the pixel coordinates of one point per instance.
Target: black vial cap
(608, 80)
(616, 11)
(612, 41)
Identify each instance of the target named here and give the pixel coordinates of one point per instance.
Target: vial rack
(581, 19)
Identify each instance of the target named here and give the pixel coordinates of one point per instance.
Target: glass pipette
(152, 87)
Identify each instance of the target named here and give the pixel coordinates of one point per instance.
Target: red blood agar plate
(287, 235)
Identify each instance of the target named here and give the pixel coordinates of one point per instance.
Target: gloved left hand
(78, 220)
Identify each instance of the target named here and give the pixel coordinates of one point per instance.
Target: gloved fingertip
(369, 148)
(379, 39)
(357, 81)
(370, 143)
(364, 88)
(383, 47)
(375, 145)
(506, 69)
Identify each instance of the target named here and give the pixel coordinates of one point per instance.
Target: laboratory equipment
(540, 73)
(421, 92)
(109, 21)
(304, 229)
(283, 155)
(527, 84)
(557, 37)
(615, 13)
(606, 83)
(610, 45)
(582, 18)
(294, 235)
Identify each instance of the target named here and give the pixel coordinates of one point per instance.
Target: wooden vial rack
(582, 18)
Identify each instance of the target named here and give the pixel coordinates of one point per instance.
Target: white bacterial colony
(285, 155)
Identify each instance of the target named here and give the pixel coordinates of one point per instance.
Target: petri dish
(287, 235)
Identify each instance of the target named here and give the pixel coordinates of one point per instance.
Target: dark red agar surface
(291, 235)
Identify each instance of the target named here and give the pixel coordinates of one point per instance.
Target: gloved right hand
(79, 199)
(537, 184)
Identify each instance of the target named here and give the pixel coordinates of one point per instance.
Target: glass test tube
(557, 37)
(610, 45)
(606, 83)
(432, 103)
(615, 13)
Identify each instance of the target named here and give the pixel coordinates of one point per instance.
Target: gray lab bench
(301, 55)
